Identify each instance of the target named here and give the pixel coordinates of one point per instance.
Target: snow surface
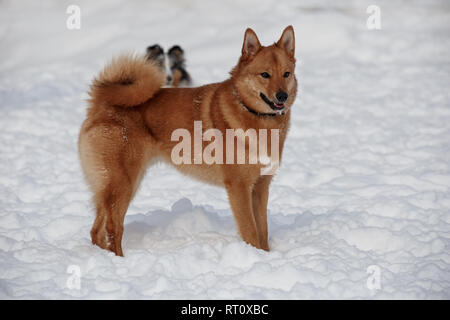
(365, 179)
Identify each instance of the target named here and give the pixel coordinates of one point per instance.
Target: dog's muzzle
(281, 99)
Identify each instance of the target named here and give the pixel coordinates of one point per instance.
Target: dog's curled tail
(127, 81)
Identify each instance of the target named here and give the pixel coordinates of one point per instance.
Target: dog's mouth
(273, 105)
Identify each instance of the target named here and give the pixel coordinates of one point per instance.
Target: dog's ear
(154, 51)
(251, 43)
(287, 41)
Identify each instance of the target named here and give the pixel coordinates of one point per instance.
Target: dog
(131, 119)
(174, 64)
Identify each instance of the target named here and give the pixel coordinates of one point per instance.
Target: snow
(364, 184)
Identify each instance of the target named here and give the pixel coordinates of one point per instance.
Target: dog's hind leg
(113, 168)
(112, 204)
(113, 199)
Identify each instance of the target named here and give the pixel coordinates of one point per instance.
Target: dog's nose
(281, 96)
(169, 79)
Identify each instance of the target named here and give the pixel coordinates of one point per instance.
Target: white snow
(365, 178)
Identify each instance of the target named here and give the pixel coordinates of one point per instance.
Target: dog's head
(172, 64)
(264, 77)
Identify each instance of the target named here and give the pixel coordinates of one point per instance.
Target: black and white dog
(172, 63)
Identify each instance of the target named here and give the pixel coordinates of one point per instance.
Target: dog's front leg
(240, 196)
(260, 196)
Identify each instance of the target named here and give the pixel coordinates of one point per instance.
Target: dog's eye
(286, 74)
(265, 75)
